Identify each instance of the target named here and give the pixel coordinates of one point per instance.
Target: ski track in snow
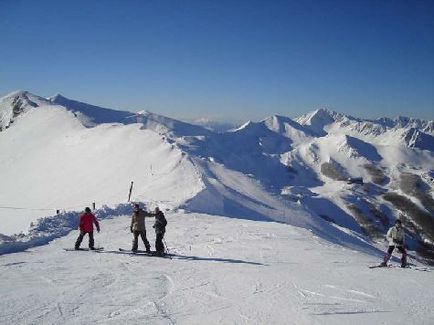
(223, 271)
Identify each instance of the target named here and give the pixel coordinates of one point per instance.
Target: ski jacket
(138, 220)
(395, 236)
(87, 220)
(160, 223)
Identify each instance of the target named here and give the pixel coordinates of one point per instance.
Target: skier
(87, 219)
(160, 228)
(138, 227)
(395, 237)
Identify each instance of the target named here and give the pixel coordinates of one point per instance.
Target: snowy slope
(91, 115)
(225, 271)
(54, 162)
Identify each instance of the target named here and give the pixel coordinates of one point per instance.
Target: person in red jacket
(87, 219)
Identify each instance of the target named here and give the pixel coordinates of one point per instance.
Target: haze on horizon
(224, 60)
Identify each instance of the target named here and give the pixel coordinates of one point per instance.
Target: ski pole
(412, 258)
(167, 248)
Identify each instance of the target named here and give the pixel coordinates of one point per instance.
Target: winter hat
(87, 209)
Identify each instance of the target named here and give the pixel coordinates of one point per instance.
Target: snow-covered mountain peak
(353, 148)
(90, 115)
(317, 120)
(403, 122)
(164, 125)
(246, 125)
(288, 128)
(16, 103)
(322, 114)
(26, 97)
(16, 93)
(414, 138)
(276, 122)
(57, 97)
(399, 131)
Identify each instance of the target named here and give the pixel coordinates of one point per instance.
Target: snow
(54, 162)
(225, 271)
(17, 101)
(260, 234)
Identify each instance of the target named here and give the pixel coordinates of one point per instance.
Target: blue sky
(224, 59)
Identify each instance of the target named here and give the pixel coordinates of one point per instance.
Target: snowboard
(145, 253)
(84, 249)
(376, 265)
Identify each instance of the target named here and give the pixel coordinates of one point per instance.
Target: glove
(98, 230)
(131, 229)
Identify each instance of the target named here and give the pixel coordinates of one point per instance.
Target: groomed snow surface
(224, 271)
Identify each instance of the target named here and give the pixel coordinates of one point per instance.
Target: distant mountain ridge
(325, 118)
(19, 102)
(316, 123)
(98, 114)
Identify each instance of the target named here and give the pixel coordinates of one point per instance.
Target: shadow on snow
(186, 257)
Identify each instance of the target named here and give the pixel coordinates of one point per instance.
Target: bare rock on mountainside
(413, 185)
(334, 171)
(365, 223)
(15, 104)
(421, 222)
(376, 173)
(415, 138)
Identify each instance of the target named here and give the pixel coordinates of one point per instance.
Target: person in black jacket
(160, 228)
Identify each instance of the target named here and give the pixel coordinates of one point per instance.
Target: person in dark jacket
(87, 219)
(160, 228)
(138, 227)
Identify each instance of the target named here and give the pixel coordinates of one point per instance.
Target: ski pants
(401, 249)
(141, 233)
(80, 239)
(159, 246)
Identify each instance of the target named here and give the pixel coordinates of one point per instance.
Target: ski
(417, 268)
(84, 249)
(411, 267)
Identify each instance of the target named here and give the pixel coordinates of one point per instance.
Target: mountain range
(344, 178)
